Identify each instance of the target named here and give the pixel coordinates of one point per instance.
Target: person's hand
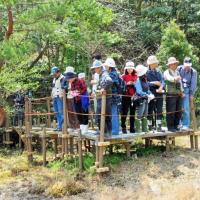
(103, 92)
(92, 95)
(92, 82)
(130, 83)
(191, 98)
(157, 83)
(177, 78)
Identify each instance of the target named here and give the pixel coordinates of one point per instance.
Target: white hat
(110, 63)
(152, 60)
(141, 70)
(81, 75)
(69, 69)
(172, 60)
(96, 64)
(129, 65)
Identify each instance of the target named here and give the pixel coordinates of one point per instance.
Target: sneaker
(172, 130)
(185, 128)
(124, 131)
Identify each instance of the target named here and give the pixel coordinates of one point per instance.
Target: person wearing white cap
(116, 99)
(129, 77)
(174, 92)
(104, 86)
(143, 91)
(189, 81)
(81, 76)
(156, 84)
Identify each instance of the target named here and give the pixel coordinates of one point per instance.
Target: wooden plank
(103, 144)
(102, 169)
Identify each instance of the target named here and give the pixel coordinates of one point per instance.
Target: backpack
(122, 88)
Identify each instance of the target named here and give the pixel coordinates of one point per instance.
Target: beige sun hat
(141, 70)
(69, 69)
(130, 65)
(81, 75)
(172, 60)
(152, 60)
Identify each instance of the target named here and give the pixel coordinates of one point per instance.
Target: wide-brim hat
(152, 60)
(130, 65)
(172, 60)
(69, 69)
(141, 70)
(70, 75)
(110, 63)
(81, 75)
(96, 64)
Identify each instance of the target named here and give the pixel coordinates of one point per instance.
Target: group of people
(138, 92)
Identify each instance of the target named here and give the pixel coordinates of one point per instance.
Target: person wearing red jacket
(129, 78)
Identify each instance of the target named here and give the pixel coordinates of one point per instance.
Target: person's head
(152, 62)
(141, 70)
(96, 56)
(70, 76)
(187, 63)
(69, 69)
(55, 72)
(130, 68)
(97, 66)
(81, 76)
(109, 64)
(172, 63)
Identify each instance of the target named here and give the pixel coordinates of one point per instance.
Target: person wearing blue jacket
(116, 99)
(143, 91)
(155, 108)
(189, 81)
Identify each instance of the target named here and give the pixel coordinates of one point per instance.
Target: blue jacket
(142, 87)
(189, 79)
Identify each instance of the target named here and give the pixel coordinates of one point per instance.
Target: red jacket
(130, 88)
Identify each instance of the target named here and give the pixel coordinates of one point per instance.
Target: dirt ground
(161, 176)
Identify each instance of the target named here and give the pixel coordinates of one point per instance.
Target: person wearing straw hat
(104, 86)
(129, 77)
(57, 95)
(156, 85)
(116, 99)
(189, 81)
(143, 91)
(174, 91)
(81, 99)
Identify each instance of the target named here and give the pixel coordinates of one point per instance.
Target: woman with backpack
(116, 99)
(129, 78)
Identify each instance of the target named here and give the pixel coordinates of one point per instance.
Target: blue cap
(54, 70)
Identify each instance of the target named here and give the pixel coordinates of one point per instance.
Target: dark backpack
(122, 88)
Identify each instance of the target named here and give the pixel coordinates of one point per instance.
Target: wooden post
(56, 146)
(128, 147)
(97, 152)
(80, 151)
(193, 138)
(102, 129)
(44, 146)
(30, 116)
(29, 144)
(65, 140)
(48, 110)
(167, 144)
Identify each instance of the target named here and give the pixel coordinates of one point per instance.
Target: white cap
(96, 64)
(172, 60)
(69, 69)
(141, 70)
(152, 60)
(129, 65)
(187, 62)
(110, 63)
(81, 75)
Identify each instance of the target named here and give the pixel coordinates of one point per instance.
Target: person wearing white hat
(156, 84)
(189, 81)
(174, 92)
(104, 86)
(116, 99)
(129, 77)
(143, 91)
(81, 76)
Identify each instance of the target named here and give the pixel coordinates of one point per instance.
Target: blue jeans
(186, 107)
(58, 109)
(142, 109)
(115, 119)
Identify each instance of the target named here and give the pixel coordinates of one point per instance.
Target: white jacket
(57, 87)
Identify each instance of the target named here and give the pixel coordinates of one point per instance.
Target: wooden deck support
(44, 146)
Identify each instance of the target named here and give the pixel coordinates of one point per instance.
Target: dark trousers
(73, 121)
(155, 109)
(126, 106)
(173, 108)
(83, 119)
(108, 124)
